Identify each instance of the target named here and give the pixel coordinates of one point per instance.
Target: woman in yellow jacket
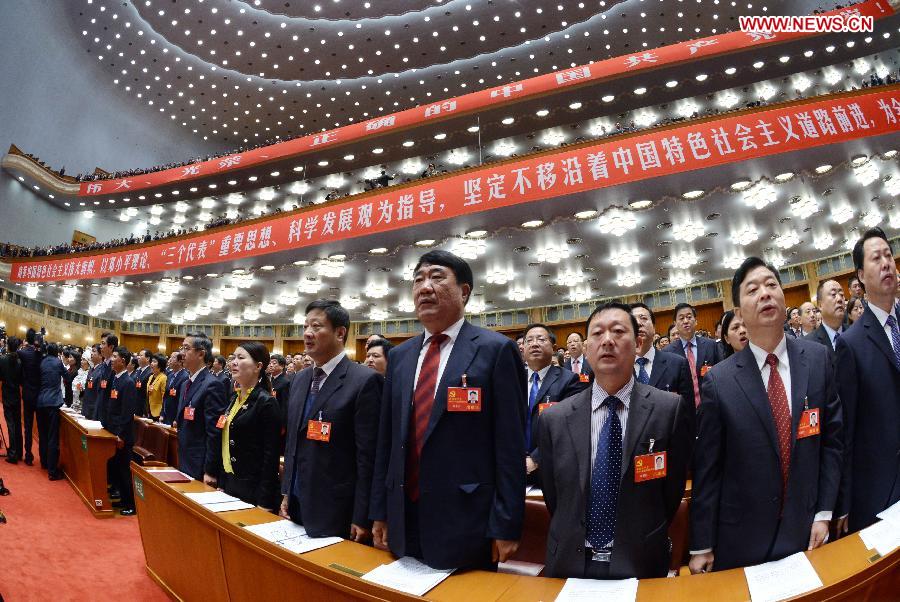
(156, 386)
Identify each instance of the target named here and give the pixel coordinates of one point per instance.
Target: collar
(580, 358)
(598, 394)
(760, 354)
(197, 373)
(331, 364)
(119, 375)
(879, 313)
(452, 332)
(650, 355)
(692, 341)
(831, 332)
(542, 373)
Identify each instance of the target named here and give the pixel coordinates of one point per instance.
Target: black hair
(461, 270)
(202, 343)
(161, 361)
(819, 288)
(385, 345)
(259, 353)
(681, 306)
(52, 350)
(726, 319)
(279, 358)
(740, 275)
(649, 311)
(333, 310)
(539, 325)
(858, 257)
(134, 363)
(851, 304)
(613, 305)
(124, 354)
(222, 361)
(29, 336)
(852, 278)
(111, 339)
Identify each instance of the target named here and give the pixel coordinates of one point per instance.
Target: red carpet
(52, 548)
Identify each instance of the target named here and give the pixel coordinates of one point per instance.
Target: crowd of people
(786, 418)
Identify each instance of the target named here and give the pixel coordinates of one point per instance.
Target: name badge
(79, 386)
(189, 413)
(544, 406)
(584, 378)
(704, 369)
(114, 394)
(102, 384)
(220, 424)
(463, 399)
(317, 430)
(274, 394)
(809, 423)
(649, 467)
(90, 384)
(172, 392)
(138, 384)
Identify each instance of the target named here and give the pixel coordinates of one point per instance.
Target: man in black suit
(176, 375)
(792, 326)
(449, 477)
(660, 369)
(868, 355)
(546, 384)
(141, 377)
(108, 344)
(577, 363)
(807, 318)
(30, 358)
(219, 370)
(327, 480)
(281, 384)
(118, 419)
(92, 384)
(610, 507)
(202, 400)
(769, 440)
(830, 298)
(701, 353)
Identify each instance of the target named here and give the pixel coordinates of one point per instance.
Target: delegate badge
(220, 424)
(189, 413)
(544, 406)
(809, 423)
(463, 399)
(584, 378)
(317, 430)
(102, 384)
(114, 394)
(649, 466)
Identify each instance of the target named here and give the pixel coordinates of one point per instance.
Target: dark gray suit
(672, 373)
(641, 544)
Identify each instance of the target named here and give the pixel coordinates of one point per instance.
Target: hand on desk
(503, 549)
(530, 465)
(701, 563)
(283, 509)
(380, 534)
(818, 534)
(841, 526)
(209, 480)
(359, 534)
(119, 443)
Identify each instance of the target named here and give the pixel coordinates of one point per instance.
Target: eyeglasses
(540, 340)
(185, 347)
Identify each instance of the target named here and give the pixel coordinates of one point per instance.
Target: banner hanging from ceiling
(660, 152)
(514, 91)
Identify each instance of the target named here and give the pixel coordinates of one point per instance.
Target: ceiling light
(378, 315)
(784, 177)
(741, 185)
(804, 207)
(507, 120)
(440, 136)
(842, 213)
(640, 90)
(680, 279)
(823, 241)
(476, 233)
(733, 262)
(408, 143)
(640, 204)
(872, 218)
(350, 302)
(866, 173)
(323, 163)
(693, 194)
(406, 306)
(745, 236)
(376, 291)
(616, 222)
(267, 268)
(787, 240)
(823, 168)
(890, 154)
(701, 77)
(499, 276)
(552, 254)
(624, 258)
(427, 242)
(298, 168)
(275, 174)
(587, 214)
(535, 223)
(760, 196)
(730, 71)
(576, 105)
(349, 157)
(542, 113)
(378, 251)
(519, 294)
(671, 83)
(377, 151)
(629, 279)
(688, 230)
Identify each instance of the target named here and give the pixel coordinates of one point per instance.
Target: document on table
(407, 575)
(883, 536)
(228, 506)
(90, 424)
(291, 536)
(781, 579)
(218, 501)
(621, 590)
(891, 513)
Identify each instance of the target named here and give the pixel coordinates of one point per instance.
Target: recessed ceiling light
(472, 129)
(730, 71)
(337, 257)
(784, 59)
(301, 262)
(758, 65)
(823, 168)
(212, 186)
(210, 275)
(784, 177)
(575, 106)
(476, 233)
(507, 120)
(533, 223)
(425, 242)
(693, 194)
(252, 178)
(188, 277)
(641, 90)
(587, 214)
(701, 77)
(542, 113)
(232, 182)
(275, 174)
(267, 268)
(741, 185)
(671, 83)
(377, 151)
(440, 136)
(323, 163)
(378, 251)
(890, 154)
(299, 168)
(408, 143)
(640, 204)
(349, 157)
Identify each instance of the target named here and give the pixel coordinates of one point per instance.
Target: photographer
(11, 375)
(50, 399)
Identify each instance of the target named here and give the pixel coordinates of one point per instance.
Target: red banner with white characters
(610, 163)
(542, 84)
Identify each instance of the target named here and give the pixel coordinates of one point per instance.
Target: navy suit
(104, 382)
(707, 353)
(119, 420)
(558, 384)
(472, 465)
(869, 383)
(91, 393)
(170, 402)
(142, 377)
(737, 487)
(335, 477)
(199, 441)
(31, 385)
(672, 373)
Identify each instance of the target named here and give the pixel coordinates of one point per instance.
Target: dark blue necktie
(642, 376)
(532, 398)
(895, 338)
(318, 374)
(605, 476)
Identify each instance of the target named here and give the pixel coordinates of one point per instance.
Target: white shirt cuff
(824, 515)
(706, 551)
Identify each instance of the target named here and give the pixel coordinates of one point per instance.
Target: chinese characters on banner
(666, 55)
(609, 163)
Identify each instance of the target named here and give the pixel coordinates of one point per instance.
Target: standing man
(576, 362)
(660, 369)
(769, 439)
(701, 353)
(124, 402)
(331, 432)
(449, 476)
(546, 385)
(176, 377)
(280, 382)
(92, 384)
(793, 322)
(615, 461)
(30, 358)
(856, 289)
(108, 344)
(830, 297)
(868, 355)
(807, 318)
(141, 377)
(202, 400)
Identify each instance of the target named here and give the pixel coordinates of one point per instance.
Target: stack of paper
(782, 579)
(891, 514)
(622, 590)
(407, 575)
(90, 424)
(291, 536)
(883, 537)
(218, 501)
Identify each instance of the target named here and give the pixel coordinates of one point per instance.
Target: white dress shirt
(328, 367)
(650, 355)
(832, 333)
(446, 348)
(580, 361)
(882, 317)
(542, 374)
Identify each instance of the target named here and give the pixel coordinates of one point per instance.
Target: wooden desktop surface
(83, 454)
(195, 554)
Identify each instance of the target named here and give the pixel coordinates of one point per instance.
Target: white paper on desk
(883, 537)
(407, 575)
(90, 424)
(781, 579)
(305, 543)
(621, 590)
(210, 497)
(278, 531)
(891, 513)
(228, 506)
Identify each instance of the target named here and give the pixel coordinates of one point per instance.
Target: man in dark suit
(792, 325)
(868, 356)
(108, 344)
(30, 358)
(701, 353)
(92, 384)
(660, 369)
(769, 439)
(220, 371)
(281, 384)
(118, 419)
(141, 377)
(830, 298)
(449, 477)
(202, 400)
(610, 507)
(327, 480)
(546, 384)
(577, 363)
(176, 377)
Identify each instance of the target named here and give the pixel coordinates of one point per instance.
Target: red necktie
(423, 400)
(693, 364)
(779, 402)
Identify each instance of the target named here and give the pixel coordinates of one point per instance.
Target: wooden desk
(195, 554)
(83, 454)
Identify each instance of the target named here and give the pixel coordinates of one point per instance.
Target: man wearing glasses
(202, 400)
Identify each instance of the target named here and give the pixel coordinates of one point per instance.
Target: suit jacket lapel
(578, 422)
(464, 350)
(334, 382)
(639, 411)
(799, 382)
(749, 379)
(658, 370)
(552, 377)
(876, 334)
(406, 382)
(299, 391)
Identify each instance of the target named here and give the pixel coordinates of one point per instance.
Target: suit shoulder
(361, 372)
(491, 337)
(672, 348)
(660, 399)
(671, 357)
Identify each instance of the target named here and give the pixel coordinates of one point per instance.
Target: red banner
(656, 153)
(542, 84)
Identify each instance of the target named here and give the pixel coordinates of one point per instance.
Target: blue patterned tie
(532, 398)
(895, 338)
(642, 376)
(605, 476)
(318, 373)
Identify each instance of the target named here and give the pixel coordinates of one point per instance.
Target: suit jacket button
(775, 500)
(231, 442)
(579, 549)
